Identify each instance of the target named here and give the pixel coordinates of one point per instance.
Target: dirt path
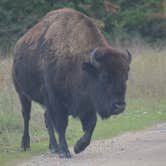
(145, 148)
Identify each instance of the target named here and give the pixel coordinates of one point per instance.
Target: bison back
(67, 31)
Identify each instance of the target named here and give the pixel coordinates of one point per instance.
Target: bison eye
(90, 69)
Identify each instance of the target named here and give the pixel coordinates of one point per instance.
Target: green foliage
(17, 16)
(140, 16)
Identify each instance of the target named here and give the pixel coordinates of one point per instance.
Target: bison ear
(90, 69)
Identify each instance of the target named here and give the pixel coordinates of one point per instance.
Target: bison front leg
(57, 112)
(59, 118)
(88, 122)
(61, 121)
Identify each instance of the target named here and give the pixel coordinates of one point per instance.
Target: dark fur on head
(110, 68)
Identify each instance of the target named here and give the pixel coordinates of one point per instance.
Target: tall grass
(146, 97)
(148, 73)
(148, 68)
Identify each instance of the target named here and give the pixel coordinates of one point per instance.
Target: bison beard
(65, 64)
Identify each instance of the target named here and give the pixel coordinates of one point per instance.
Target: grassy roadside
(145, 98)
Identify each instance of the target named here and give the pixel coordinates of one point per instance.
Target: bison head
(109, 68)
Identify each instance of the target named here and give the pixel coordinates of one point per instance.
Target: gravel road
(145, 148)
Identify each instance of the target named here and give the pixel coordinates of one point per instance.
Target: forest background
(122, 19)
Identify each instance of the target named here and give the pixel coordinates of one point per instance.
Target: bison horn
(93, 59)
(129, 56)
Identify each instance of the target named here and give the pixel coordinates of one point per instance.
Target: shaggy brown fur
(73, 36)
(71, 32)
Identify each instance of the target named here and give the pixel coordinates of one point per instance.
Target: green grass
(146, 106)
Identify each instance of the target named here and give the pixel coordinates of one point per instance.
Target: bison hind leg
(26, 109)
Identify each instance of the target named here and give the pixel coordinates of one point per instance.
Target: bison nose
(119, 107)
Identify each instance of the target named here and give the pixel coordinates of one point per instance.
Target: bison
(66, 65)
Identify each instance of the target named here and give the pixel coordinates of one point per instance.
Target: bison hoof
(80, 145)
(64, 155)
(54, 150)
(24, 149)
